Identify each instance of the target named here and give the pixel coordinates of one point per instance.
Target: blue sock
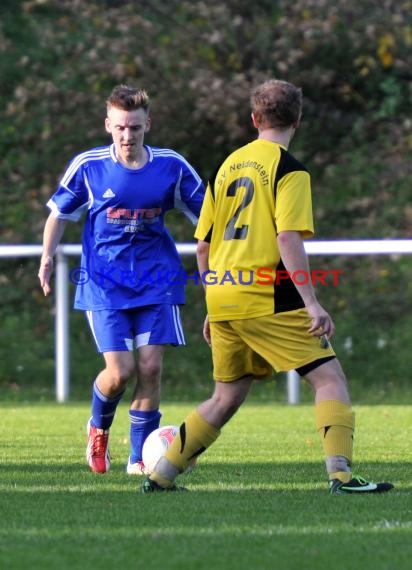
(103, 409)
(141, 425)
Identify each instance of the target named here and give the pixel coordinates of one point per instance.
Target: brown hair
(128, 98)
(276, 104)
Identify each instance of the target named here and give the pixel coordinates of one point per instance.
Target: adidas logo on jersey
(109, 193)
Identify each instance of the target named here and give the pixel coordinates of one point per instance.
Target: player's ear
(107, 125)
(255, 121)
(148, 125)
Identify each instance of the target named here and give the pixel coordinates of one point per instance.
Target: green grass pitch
(258, 498)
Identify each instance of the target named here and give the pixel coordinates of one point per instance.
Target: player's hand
(322, 323)
(206, 331)
(45, 272)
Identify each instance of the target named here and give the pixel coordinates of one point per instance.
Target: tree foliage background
(59, 59)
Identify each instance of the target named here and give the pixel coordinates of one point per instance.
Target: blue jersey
(129, 258)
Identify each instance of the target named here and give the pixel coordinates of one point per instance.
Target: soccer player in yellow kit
(256, 213)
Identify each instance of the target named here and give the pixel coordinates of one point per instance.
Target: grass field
(258, 497)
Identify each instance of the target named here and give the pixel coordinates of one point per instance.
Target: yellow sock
(335, 422)
(344, 476)
(195, 435)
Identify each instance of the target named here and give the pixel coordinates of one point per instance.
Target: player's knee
(150, 370)
(228, 403)
(120, 376)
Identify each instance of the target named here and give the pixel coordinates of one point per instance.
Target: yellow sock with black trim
(335, 422)
(195, 435)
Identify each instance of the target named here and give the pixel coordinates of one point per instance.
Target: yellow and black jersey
(258, 191)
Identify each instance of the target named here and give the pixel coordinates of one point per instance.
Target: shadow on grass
(224, 476)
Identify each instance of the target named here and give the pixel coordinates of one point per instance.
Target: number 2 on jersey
(232, 232)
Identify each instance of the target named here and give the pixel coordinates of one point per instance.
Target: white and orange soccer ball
(155, 447)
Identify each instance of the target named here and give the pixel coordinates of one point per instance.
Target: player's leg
(111, 332)
(109, 387)
(234, 367)
(198, 431)
(108, 390)
(336, 425)
(144, 408)
(335, 419)
(154, 327)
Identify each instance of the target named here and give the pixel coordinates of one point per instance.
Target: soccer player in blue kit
(132, 278)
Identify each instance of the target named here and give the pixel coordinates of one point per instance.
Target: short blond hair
(128, 98)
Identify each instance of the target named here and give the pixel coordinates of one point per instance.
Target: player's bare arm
(294, 257)
(53, 232)
(202, 255)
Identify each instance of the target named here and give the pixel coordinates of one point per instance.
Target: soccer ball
(155, 447)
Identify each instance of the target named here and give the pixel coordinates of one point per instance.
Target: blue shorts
(127, 329)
